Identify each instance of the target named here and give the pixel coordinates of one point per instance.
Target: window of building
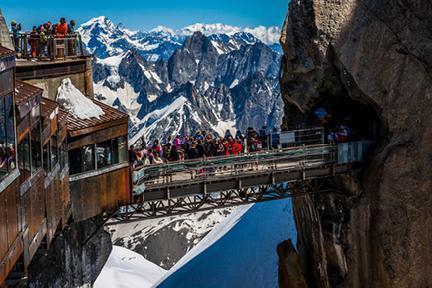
(122, 149)
(88, 156)
(36, 149)
(10, 121)
(119, 150)
(75, 163)
(104, 154)
(7, 135)
(24, 154)
(46, 157)
(54, 151)
(98, 156)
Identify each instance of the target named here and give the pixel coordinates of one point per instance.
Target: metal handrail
(226, 157)
(234, 164)
(55, 48)
(205, 169)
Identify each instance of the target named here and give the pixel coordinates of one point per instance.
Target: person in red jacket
(62, 28)
(236, 147)
(227, 147)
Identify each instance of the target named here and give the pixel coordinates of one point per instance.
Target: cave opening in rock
(334, 111)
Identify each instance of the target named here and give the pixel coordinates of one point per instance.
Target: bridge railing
(287, 158)
(228, 166)
(53, 48)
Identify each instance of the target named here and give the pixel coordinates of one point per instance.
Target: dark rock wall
(380, 54)
(75, 258)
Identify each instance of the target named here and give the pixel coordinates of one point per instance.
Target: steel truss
(229, 198)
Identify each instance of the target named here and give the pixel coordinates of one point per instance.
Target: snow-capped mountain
(171, 81)
(103, 39)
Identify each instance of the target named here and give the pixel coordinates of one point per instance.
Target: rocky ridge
(377, 53)
(212, 81)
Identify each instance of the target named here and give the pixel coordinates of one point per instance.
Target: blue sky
(147, 14)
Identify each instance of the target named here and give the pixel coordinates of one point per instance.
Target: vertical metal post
(80, 45)
(304, 155)
(322, 136)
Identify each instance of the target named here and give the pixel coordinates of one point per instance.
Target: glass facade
(88, 157)
(46, 157)
(54, 151)
(104, 154)
(7, 135)
(30, 151)
(24, 154)
(98, 156)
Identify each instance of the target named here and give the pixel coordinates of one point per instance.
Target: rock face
(377, 53)
(75, 258)
(5, 39)
(290, 272)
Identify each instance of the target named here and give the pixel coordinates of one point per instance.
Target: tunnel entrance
(348, 119)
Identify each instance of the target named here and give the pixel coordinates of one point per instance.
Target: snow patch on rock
(74, 102)
(126, 268)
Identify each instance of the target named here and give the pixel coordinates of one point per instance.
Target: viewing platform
(46, 65)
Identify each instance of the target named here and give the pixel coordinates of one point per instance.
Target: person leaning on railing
(61, 28)
(43, 42)
(34, 42)
(15, 30)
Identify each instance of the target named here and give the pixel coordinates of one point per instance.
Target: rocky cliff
(74, 259)
(374, 54)
(5, 39)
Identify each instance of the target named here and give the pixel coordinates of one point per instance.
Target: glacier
(240, 251)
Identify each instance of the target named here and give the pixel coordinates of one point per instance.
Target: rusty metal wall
(65, 197)
(33, 214)
(54, 203)
(10, 244)
(94, 195)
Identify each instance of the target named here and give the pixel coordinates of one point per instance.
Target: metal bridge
(193, 185)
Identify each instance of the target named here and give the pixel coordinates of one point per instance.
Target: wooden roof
(25, 92)
(111, 117)
(6, 52)
(26, 97)
(48, 106)
(7, 59)
(62, 116)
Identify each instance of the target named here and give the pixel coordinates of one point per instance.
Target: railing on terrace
(55, 48)
(297, 137)
(209, 169)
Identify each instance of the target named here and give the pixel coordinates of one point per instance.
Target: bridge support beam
(228, 198)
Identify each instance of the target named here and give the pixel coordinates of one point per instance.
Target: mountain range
(214, 76)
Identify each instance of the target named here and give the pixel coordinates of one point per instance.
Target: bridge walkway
(193, 185)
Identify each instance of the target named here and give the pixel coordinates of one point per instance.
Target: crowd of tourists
(38, 38)
(200, 145)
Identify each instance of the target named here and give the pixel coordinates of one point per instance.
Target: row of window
(98, 156)
(32, 156)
